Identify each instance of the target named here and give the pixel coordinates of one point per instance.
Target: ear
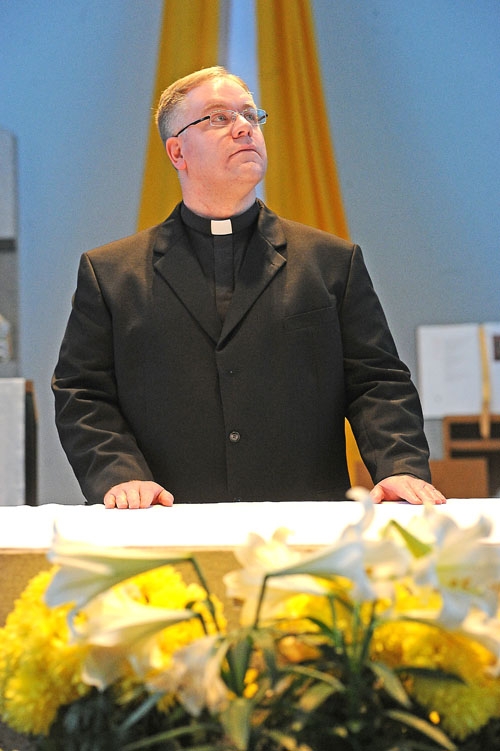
(174, 152)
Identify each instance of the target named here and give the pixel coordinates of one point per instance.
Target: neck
(219, 207)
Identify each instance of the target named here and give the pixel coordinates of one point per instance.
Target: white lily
(369, 565)
(258, 558)
(87, 570)
(486, 631)
(195, 676)
(120, 635)
(458, 563)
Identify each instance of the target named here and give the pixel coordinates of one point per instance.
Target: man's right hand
(137, 494)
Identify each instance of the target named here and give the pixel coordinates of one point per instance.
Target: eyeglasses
(223, 118)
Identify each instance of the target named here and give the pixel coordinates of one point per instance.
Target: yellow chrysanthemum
(39, 669)
(41, 666)
(165, 588)
(295, 651)
(463, 708)
(409, 597)
(295, 611)
(251, 683)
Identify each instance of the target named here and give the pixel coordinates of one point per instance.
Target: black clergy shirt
(220, 246)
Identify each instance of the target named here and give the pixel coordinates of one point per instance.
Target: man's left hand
(406, 488)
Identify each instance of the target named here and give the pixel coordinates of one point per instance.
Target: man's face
(230, 158)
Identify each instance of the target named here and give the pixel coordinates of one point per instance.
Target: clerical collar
(219, 226)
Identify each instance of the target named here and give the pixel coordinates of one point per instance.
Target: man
(215, 357)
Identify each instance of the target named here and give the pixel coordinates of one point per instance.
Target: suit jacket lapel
(261, 263)
(178, 266)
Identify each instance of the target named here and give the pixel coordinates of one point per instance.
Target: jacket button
(234, 436)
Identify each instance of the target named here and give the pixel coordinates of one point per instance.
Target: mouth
(246, 150)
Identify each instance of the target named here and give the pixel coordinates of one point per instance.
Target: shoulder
(126, 248)
(142, 238)
(312, 252)
(136, 247)
(297, 235)
(314, 237)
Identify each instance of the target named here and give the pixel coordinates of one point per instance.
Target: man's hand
(406, 488)
(137, 494)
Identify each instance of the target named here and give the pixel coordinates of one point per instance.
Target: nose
(241, 126)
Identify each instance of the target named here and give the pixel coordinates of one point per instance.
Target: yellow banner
(189, 40)
(302, 181)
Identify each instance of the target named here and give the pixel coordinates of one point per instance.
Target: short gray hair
(175, 94)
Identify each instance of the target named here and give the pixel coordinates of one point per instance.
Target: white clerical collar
(221, 226)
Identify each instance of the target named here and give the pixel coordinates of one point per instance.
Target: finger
(110, 500)
(116, 497)
(425, 493)
(414, 498)
(147, 494)
(133, 498)
(121, 499)
(152, 494)
(164, 498)
(377, 494)
(433, 495)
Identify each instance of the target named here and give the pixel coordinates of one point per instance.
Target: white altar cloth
(213, 526)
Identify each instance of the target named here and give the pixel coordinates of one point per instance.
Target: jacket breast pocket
(310, 320)
(314, 344)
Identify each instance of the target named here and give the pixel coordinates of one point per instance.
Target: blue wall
(414, 101)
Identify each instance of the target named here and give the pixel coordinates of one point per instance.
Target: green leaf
(264, 640)
(238, 656)
(431, 731)
(430, 673)
(141, 711)
(416, 547)
(333, 634)
(315, 696)
(236, 721)
(317, 675)
(391, 683)
(169, 735)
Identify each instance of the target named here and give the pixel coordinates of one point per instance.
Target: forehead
(219, 92)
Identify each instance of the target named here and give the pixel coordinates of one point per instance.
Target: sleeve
(383, 406)
(93, 431)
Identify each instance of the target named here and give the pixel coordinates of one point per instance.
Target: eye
(221, 117)
(252, 116)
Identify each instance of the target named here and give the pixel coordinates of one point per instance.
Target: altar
(212, 532)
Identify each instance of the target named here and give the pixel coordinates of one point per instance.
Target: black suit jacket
(149, 385)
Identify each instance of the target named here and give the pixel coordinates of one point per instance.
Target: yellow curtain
(189, 40)
(301, 181)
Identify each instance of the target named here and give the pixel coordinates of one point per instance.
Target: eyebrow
(215, 105)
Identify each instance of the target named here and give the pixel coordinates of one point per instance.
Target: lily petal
(461, 565)
(119, 634)
(195, 676)
(88, 570)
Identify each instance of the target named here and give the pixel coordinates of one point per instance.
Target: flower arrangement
(383, 641)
